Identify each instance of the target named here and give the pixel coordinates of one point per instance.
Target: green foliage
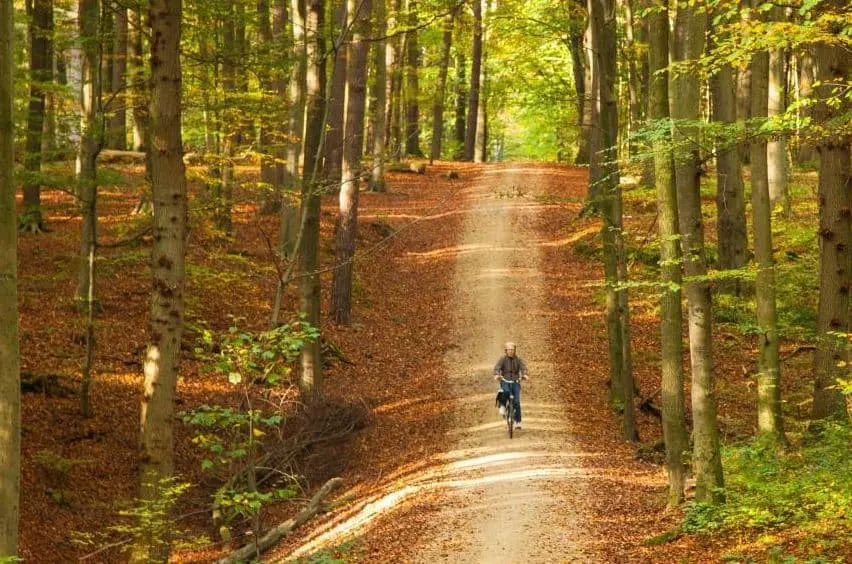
(340, 554)
(147, 521)
(57, 470)
(258, 366)
(809, 488)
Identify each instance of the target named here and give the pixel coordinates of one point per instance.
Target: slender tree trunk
(671, 309)
(412, 89)
(730, 196)
(117, 137)
(90, 144)
(394, 69)
(833, 70)
(41, 74)
(441, 89)
(10, 387)
(769, 371)
(475, 76)
(139, 84)
(744, 97)
(587, 133)
(776, 148)
(634, 85)
(347, 227)
(233, 119)
(309, 287)
(167, 265)
(337, 101)
(690, 26)
(805, 152)
(578, 67)
(461, 107)
(378, 96)
(290, 216)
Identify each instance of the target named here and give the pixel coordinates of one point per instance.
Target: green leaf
(206, 464)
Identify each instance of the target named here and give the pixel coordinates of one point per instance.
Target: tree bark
(41, 73)
(347, 226)
(393, 134)
(10, 389)
(309, 287)
(378, 96)
(90, 145)
(337, 101)
(461, 107)
(671, 309)
(167, 264)
(833, 68)
(730, 195)
(441, 89)
(117, 136)
(805, 152)
(139, 84)
(769, 421)
(776, 148)
(587, 132)
(689, 30)
(475, 76)
(412, 88)
(578, 67)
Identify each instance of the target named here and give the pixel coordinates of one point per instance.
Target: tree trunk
(833, 70)
(117, 136)
(769, 371)
(690, 25)
(634, 85)
(289, 221)
(805, 152)
(41, 74)
(730, 196)
(475, 76)
(412, 89)
(309, 287)
(744, 98)
(167, 265)
(347, 226)
(587, 133)
(337, 100)
(10, 389)
(394, 68)
(461, 107)
(578, 67)
(671, 309)
(139, 83)
(378, 97)
(90, 145)
(776, 148)
(441, 89)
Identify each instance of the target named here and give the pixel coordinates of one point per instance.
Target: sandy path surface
(507, 505)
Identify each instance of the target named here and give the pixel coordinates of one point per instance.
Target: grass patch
(806, 490)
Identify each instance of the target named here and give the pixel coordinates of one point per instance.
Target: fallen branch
(272, 537)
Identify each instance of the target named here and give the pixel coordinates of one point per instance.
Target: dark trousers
(515, 389)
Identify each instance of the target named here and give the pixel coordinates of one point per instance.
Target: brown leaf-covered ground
(407, 325)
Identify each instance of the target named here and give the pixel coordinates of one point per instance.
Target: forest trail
(507, 505)
(478, 496)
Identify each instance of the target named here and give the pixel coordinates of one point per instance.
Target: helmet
(509, 346)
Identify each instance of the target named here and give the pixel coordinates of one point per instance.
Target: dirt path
(503, 505)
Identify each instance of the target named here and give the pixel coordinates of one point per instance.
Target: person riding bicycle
(510, 370)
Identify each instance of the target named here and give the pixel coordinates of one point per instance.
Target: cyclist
(510, 370)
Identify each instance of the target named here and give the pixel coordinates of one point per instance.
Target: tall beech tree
(40, 32)
(10, 389)
(769, 369)
(412, 84)
(90, 146)
(461, 106)
(378, 98)
(776, 147)
(671, 308)
(334, 140)
(833, 71)
(441, 89)
(312, 186)
(117, 132)
(475, 77)
(347, 222)
(168, 185)
(689, 30)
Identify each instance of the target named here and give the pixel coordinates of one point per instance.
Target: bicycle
(509, 406)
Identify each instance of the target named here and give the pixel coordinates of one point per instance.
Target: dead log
(413, 168)
(272, 537)
(647, 407)
(121, 157)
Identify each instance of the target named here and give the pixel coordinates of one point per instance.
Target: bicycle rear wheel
(510, 416)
